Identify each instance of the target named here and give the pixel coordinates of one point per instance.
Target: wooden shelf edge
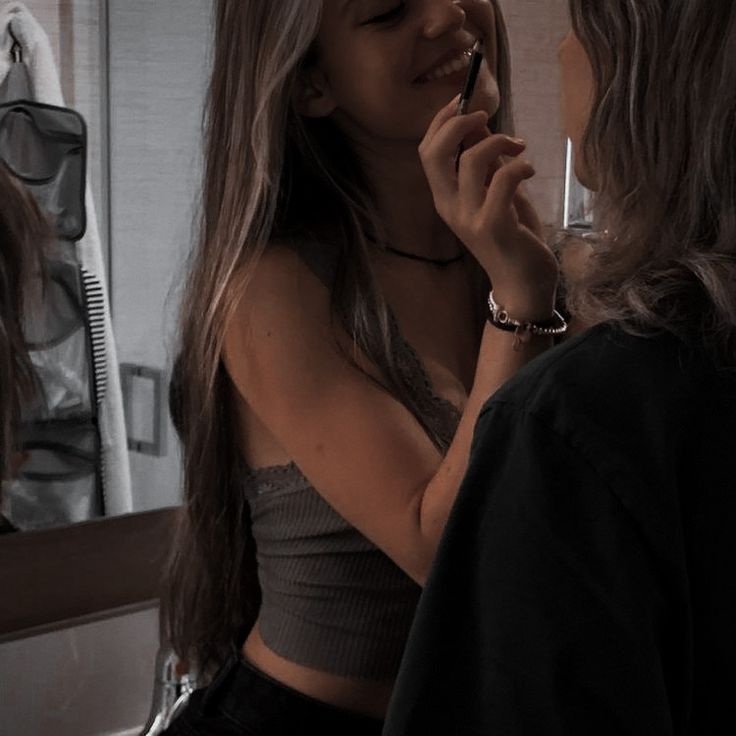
(69, 623)
(54, 578)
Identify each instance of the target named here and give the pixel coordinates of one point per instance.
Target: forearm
(498, 361)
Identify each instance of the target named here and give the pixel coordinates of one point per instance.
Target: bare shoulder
(281, 297)
(279, 277)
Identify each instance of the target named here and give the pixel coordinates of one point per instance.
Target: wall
(158, 69)
(536, 28)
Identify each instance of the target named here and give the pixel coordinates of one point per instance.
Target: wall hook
(16, 50)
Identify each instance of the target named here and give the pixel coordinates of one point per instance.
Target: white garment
(46, 86)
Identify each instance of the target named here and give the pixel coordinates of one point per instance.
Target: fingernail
(518, 141)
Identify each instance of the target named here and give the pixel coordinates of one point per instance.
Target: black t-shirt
(586, 581)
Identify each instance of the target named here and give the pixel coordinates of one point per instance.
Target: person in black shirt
(585, 580)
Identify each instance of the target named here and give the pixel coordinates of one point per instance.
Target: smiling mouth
(458, 64)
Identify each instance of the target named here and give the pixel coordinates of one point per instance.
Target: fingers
(478, 162)
(527, 213)
(485, 190)
(500, 197)
(438, 158)
(448, 112)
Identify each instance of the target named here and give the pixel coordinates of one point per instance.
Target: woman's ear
(313, 96)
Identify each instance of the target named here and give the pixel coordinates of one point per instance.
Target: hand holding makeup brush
(484, 206)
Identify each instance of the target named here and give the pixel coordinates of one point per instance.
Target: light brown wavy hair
(270, 175)
(24, 232)
(661, 146)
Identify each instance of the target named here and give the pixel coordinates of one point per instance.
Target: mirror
(135, 72)
(123, 81)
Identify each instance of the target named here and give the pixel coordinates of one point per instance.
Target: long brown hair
(23, 234)
(661, 144)
(269, 175)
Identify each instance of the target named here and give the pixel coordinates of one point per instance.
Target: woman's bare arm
(361, 449)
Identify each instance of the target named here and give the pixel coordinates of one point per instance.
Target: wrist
(524, 329)
(526, 307)
(528, 296)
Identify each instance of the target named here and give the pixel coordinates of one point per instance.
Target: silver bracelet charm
(524, 331)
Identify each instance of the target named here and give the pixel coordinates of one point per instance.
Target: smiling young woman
(330, 383)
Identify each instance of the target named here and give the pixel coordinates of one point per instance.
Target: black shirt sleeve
(545, 612)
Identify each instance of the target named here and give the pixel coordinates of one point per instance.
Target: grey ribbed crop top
(331, 600)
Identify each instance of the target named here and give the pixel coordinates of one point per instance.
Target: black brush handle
(475, 61)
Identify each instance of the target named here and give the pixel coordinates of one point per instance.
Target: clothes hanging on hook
(35, 47)
(16, 50)
(36, 80)
(17, 82)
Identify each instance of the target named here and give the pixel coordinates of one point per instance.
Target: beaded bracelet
(524, 331)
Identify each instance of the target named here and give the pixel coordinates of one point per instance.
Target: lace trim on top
(440, 415)
(443, 420)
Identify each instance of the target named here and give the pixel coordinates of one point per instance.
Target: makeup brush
(476, 57)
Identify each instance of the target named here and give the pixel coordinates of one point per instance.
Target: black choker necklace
(438, 262)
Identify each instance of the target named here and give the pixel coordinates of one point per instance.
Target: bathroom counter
(56, 578)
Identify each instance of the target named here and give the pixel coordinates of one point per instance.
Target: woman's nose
(478, 16)
(442, 16)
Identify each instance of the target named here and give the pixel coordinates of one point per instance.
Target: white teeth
(450, 67)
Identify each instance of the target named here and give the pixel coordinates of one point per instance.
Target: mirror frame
(57, 578)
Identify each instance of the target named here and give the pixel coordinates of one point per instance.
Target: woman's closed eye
(389, 16)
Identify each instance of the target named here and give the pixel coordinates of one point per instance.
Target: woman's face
(576, 79)
(386, 67)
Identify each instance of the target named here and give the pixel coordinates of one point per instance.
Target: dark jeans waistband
(265, 706)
